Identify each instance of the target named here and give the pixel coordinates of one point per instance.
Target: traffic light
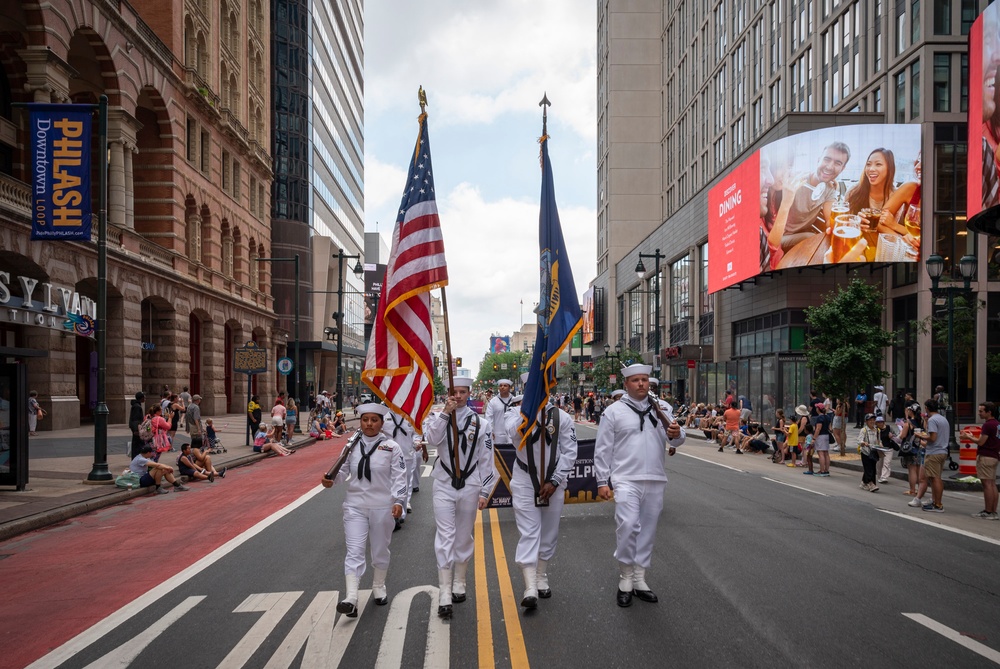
(458, 362)
(515, 366)
(496, 367)
(437, 361)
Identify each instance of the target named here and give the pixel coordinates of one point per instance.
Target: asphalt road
(756, 565)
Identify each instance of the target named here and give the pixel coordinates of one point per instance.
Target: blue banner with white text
(59, 155)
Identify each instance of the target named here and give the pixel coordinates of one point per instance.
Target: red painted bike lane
(61, 580)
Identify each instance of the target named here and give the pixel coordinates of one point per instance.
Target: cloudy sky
(485, 67)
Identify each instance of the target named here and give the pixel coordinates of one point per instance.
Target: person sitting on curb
(187, 466)
(201, 457)
(152, 472)
(264, 442)
(339, 424)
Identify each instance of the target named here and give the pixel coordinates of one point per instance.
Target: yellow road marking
(483, 619)
(512, 618)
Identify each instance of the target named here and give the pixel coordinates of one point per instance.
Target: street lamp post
(359, 271)
(617, 355)
(640, 271)
(967, 268)
(298, 359)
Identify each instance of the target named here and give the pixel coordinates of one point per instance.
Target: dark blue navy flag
(59, 153)
(559, 315)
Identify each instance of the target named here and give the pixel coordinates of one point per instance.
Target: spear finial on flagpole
(545, 104)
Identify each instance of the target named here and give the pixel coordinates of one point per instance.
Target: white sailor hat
(462, 381)
(635, 369)
(653, 380)
(617, 393)
(503, 381)
(516, 398)
(524, 377)
(373, 407)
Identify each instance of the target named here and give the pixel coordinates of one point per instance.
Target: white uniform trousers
(537, 525)
(454, 515)
(367, 525)
(414, 471)
(637, 510)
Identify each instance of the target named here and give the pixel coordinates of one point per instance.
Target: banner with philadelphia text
(581, 486)
(60, 171)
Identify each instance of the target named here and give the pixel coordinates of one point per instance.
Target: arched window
(234, 95)
(258, 283)
(234, 34)
(254, 265)
(190, 44)
(202, 55)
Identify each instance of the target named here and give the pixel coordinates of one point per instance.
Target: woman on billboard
(876, 200)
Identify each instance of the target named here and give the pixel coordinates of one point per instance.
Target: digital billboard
(588, 316)
(499, 344)
(844, 194)
(983, 183)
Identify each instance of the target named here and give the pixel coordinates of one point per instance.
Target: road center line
(99, 629)
(948, 633)
(484, 622)
(717, 464)
(797, 487)
(512, 618)
(964, 533)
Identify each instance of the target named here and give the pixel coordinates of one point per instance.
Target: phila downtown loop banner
(59, 150)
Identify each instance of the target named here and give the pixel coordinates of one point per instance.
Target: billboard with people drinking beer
(845, 194)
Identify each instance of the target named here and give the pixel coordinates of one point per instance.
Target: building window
(942, 17)
(915, 26)
(877, 100)
(236, 180)
(206, 145)
(901, 97)
(635, 319)
(191, 139)
(226, 177)
(194, 238)
(942, 82)
(706, 302)
(900, 26)
(915, 90)
(951, 238)
(970, 10)
(964, 84)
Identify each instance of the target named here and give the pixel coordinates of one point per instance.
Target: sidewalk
(60, 460)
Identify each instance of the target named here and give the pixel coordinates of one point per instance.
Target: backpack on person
(146, 429)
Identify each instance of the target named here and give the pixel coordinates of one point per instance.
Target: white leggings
(538, 525)
(367, 525)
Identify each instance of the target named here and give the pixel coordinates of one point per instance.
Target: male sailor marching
(537, 485)
(496, 413)
(629, 455)
(463, 480)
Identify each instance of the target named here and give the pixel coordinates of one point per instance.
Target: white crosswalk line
(128, 651)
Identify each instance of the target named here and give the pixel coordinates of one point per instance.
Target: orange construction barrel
(967, 449)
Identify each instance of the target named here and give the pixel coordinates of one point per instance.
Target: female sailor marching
(376, 492)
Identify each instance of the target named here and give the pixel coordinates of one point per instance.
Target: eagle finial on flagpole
(545, 104)
(422, 98)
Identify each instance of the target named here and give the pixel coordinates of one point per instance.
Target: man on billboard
(806, 203)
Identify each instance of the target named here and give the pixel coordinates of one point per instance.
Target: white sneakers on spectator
(916, 502)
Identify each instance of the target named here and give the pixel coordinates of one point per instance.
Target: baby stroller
(214, 441)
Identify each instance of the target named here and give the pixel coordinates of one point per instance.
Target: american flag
(399, 364)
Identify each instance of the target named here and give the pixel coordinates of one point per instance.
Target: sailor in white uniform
(629, 454)
(537, 486)
(463, 481)
(496, 412)
(376, 492)
(397, 428)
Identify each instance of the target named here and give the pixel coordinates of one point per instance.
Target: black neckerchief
(551, 448)
(646, 413)
(397, 427)
(364, 465)
(506, 405)
(458, 478)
